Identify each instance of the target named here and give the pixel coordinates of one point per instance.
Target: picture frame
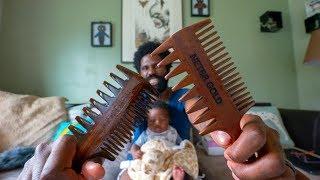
(200, 8)
(101, 34)
(148, 20)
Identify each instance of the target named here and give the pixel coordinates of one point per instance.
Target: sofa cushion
(28, 120)
(272, 118)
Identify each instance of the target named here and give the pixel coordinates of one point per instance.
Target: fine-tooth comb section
(113, 126)
(221, 96)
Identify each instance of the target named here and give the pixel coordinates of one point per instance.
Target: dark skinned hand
(54, 161)
(255, 137)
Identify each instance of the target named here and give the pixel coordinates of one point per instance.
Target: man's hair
(160, 104)
(147, 48)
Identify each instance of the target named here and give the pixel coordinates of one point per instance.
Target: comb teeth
(169, 59)
(178, 70)
(216, 52)
(200, 104)
(213, 47)
(229, 78)
(205, 116)
(220, 94)
(192, 93)
(210, 127)
(106, 97)
(112, 88)
(183, 83)
(127, 72)
(98, 105)
(90, 113)
(210, 42)
(208, 36)
(84, 123)
(119, 80)
(220, 57)
(167, 44)
(113, 126)
(205, 31)
(76, 132)
(199, 27)
(227, 72)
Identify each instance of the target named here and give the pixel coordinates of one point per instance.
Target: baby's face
(158, 120)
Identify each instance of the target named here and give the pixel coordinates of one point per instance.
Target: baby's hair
(160, 104)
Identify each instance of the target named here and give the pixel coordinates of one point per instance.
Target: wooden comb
(220, 93)
(113, 126)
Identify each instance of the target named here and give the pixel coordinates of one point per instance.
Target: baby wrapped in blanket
(159, 159)
(159, 152)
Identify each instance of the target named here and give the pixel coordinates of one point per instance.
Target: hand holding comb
(114, 124)
(217, 87)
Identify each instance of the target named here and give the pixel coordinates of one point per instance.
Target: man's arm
(255, 137)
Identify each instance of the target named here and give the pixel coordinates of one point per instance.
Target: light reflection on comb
(212, 73)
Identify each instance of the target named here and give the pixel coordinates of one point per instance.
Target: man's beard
(162, 83)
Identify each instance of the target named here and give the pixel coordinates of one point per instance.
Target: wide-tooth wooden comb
(113, 126)
(220, 94)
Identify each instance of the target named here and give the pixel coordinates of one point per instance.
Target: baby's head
(158, 117)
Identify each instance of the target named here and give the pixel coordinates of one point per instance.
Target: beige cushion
(27, 120)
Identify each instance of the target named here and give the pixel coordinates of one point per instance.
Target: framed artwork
(148, 20)
(271, 21)
(101, 34)
(200, 8)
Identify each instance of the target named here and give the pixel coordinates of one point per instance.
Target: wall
(265, 59)
(1, 6)
(46, 48)
(308, 80)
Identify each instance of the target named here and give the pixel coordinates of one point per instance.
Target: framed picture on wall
(101, 34)
(200, 8)
(148, 20)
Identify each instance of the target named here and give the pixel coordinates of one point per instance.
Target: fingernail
(221, 138)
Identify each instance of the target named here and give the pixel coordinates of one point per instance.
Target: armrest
(302, 126)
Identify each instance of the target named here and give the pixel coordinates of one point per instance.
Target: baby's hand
(178, 173)
(137, 154)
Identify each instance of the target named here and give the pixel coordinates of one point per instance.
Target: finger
(41, 155)
(270, 165)
(27, 170)
(92, 170)
(251, 140)
(235, 177)
(63, 151)
(221, 138)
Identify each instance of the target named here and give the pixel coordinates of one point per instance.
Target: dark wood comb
(113, 126)
(220, 93)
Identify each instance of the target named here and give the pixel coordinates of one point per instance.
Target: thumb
(221, 138)
(92, 170)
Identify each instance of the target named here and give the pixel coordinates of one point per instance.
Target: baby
(158, 128)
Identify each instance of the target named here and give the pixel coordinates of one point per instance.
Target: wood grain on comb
(220, 94)
(113, 126)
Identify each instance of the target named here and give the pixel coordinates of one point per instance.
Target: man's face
(154, 75)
